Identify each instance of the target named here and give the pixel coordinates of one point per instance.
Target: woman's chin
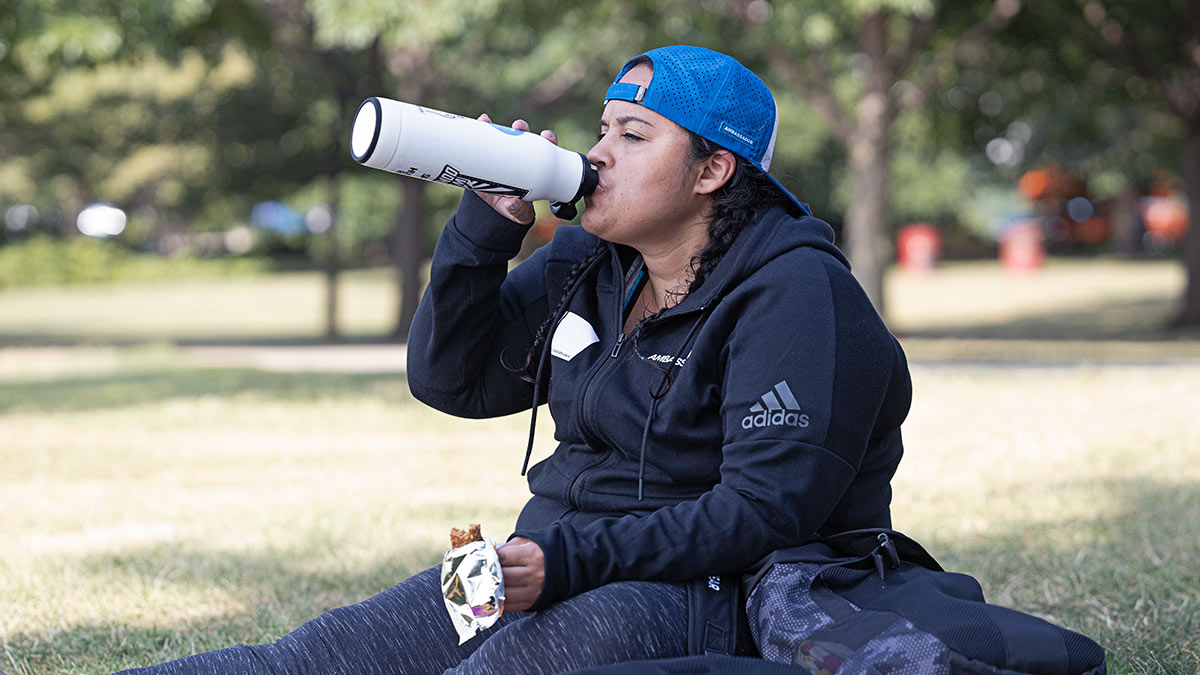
(588, 220)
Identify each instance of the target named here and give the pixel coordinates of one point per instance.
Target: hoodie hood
(773, 234)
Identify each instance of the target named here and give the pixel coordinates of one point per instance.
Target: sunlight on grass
(1072, 493)
(276, 306)
(151, 507)
(1069, 298)
(229, 508)
(139, 530)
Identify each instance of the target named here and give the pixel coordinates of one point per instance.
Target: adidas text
(779, 418)
(776, 408)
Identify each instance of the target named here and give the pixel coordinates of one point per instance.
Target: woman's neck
(667, 277)
(668, 273)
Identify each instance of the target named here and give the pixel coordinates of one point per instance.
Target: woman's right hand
(513, 208)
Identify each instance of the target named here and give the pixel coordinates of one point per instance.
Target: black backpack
(873, 601)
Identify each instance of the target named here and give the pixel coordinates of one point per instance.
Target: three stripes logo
(777, 408)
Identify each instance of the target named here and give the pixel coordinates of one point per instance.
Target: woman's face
(647, 196)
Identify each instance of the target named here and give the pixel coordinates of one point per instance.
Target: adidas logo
(778, 408)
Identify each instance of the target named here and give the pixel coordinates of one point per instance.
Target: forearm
(471, 314)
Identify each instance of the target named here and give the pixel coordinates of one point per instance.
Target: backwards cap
(714, 96)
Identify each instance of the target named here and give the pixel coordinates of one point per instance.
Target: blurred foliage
(43, 260)
(186, 113)
(1051, 89)
(181, 106)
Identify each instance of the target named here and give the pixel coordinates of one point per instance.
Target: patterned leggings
(405, 629)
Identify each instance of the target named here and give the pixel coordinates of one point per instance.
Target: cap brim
(796, 207)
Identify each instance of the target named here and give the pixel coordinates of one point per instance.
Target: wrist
(550, 541)
(479, 223)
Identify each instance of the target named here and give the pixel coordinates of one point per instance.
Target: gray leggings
(405, 629)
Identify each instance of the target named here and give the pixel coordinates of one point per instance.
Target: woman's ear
(715, 171)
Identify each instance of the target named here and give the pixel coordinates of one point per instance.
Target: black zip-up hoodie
(762, 409)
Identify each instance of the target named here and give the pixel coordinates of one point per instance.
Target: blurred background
(180, 138)
(205, 433)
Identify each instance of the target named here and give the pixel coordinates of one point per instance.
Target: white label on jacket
(572, 336)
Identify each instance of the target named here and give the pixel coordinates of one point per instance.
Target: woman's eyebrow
(626, 119)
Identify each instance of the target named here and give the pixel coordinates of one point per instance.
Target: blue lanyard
(638, 283)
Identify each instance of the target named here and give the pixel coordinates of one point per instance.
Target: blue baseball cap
(710, 94)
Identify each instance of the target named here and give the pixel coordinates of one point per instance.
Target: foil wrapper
(473, 587)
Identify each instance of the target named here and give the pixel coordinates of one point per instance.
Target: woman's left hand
(524, 569)
(513, 208)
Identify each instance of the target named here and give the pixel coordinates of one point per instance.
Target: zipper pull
(617, 347)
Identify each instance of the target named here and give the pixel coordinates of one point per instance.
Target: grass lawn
(280, 307)
(152, 506)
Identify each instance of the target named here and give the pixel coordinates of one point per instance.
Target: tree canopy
(188, 113)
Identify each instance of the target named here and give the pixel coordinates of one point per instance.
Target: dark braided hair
(528, 367)
(736, 204)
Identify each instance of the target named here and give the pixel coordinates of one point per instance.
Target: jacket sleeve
(777, 484)
(474, 313)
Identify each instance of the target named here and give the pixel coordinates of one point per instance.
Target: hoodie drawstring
(645, 438)
(664, 386)
(537, 391)
(541, 364)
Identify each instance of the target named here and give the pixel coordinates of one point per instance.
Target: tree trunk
(412, 65)
(1190, 316)
(68, 226)
(867, 215)
(332, 266)
(1126, 233)
(408, 247)
(332, 261)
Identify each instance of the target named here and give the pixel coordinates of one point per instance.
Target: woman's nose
(599, 155)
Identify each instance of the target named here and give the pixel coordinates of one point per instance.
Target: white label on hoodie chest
(573, 335)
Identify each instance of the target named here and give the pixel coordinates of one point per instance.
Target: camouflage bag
(873, 601)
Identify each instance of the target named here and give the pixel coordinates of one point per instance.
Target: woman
(720, 386)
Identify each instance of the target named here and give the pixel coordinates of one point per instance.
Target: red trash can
(1022, 247)
(918, 247)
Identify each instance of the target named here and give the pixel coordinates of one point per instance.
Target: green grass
(1070, 310)
(279, 307)
(152, 507)
(42, 260)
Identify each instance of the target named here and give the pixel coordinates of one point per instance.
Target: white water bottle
(470, 154)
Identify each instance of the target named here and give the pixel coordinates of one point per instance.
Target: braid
(539, 337)
(735, 205)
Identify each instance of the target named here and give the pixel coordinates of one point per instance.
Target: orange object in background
(918, 247)
(1034, 184)
(1051, 183)
(1165, 218)
(1092, 231)
(1022, 247)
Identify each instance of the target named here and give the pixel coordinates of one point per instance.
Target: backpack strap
(849, 548)
(716, 617)
(863, 542)
(883, 556)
